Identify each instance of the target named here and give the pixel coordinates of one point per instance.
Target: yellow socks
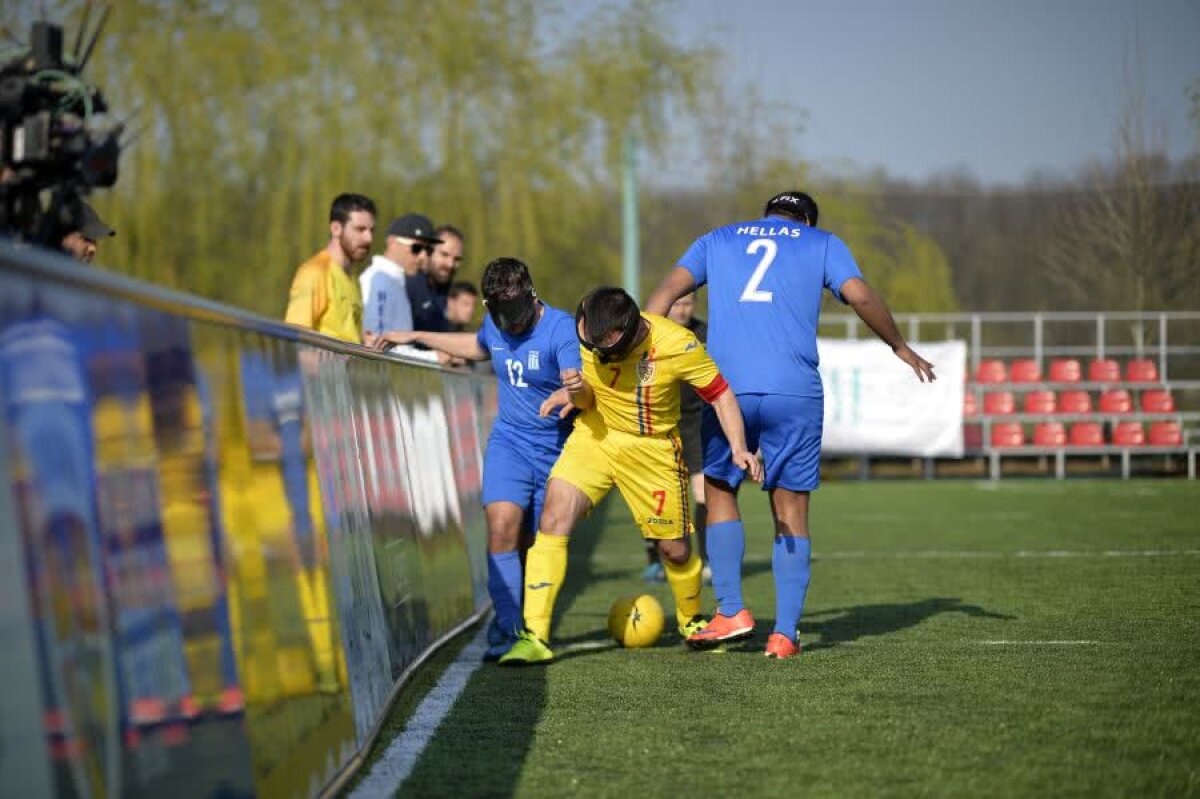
(545, 569)
(685, 585)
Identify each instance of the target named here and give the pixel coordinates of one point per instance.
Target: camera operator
(81, 243)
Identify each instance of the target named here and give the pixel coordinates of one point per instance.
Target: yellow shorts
(648, 471)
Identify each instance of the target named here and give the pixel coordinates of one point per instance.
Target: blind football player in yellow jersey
(626, 436)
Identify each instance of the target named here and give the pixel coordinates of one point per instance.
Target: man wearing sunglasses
(533, 350)
(386, 306)
(627, 436)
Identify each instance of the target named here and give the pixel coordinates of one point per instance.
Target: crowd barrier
(225, 542)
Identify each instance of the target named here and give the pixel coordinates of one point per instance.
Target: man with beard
(324, 297)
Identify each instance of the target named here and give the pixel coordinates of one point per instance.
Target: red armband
(713, 390)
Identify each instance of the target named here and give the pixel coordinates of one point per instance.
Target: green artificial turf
(903, 689)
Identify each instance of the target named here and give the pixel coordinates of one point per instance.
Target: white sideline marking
(1036, 643)
(1020, 553)
(402, 754)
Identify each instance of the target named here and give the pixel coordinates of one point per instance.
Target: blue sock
(790, 564)
(726, 546)
(504, 587)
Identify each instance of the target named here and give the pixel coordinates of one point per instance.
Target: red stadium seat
(1025, 371)
(1165, 434)
(1129, 434)
(1065, 370)
(1104, 370)
(1074, 402)
(999, 403)
(1116, 400)
(1040, 402)
(991, 371)
(1141, 370)
(972, 436)
(1086, 434)
(1050, 434)
(970, 404)
(1008, 434)
(1157, 401)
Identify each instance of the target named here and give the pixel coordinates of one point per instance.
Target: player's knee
(676, 550)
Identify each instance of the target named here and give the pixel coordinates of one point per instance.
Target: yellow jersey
(640, 394)
(326, 299)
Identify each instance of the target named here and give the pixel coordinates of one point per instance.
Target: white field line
(1020, 553)
(1037, 643)
(402, 754)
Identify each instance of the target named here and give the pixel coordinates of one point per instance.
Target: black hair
(607, 310)
(449, 230)
(460, 287)
(505, 278)
(346, 204)
(795, 205)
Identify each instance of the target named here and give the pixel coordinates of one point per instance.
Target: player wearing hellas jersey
(533, 348)
(765, 282)
(626, 436)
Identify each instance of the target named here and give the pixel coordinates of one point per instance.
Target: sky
(920, 87)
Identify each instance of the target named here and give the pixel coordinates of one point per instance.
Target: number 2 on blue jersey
(752, 293)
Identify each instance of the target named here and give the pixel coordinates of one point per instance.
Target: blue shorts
(788, 429)
(516, 468)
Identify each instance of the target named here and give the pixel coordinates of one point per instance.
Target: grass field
(963, 639)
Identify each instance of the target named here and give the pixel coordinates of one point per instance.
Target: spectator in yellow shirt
(324, 297)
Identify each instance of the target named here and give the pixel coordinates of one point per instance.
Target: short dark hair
(795, 205)
(460, 287)
(606, 310)
(346, 204)
(506, 278)
(449, 230)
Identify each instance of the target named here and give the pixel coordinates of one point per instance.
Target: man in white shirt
(386, 307)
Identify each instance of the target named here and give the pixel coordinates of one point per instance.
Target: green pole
(629, 208)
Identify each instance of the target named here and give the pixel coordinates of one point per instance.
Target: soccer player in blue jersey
(533, 348)
(765, 281)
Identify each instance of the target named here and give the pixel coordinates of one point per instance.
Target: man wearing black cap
(386, 307)
(81, 243)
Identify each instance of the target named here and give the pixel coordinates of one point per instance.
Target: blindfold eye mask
(619, 348)
(513, 314)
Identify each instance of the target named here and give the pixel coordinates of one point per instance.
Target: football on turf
(635, 621)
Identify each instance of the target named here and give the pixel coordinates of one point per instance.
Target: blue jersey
(765, 280)
(528, 368)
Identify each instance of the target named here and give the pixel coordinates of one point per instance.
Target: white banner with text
(875, 405)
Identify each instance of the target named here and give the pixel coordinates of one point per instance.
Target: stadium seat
(1008, 434)
(1065, 370)
(1025, 371)
(1049, 434)
(1104, 370)
(1040, 402)
(970, 404)
(1086, 434)
(1158, 401)
(972, 436)
(999, 403)
(1129, 434)
(1165, 434)
(991, 371)
(1074, 402)
(1141, 370)
(1116, 400)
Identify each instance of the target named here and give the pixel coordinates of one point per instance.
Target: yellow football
(635, 621)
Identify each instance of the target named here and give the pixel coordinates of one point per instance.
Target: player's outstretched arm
(457, 345)
(729, 414)
(871, 308)
(674, 286)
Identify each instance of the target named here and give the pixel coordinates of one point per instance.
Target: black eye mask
(514, 314)
(617, 350)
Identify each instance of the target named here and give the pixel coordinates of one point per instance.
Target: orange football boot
(780, 647)
(723, 629)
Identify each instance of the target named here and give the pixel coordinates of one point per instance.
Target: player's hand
(749, 463)
(393, 337)
(922, 367)
(572, 380)
(561, 400)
